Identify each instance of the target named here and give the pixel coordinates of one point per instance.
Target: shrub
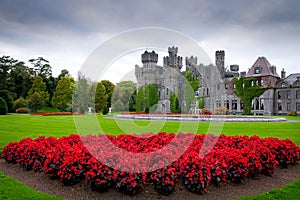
(22, 110)
(205, 112)
(3, 107)
(292, 113)
(20, 103)
(221, 111)
(6, 95)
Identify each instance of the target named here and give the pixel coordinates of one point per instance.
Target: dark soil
(40, 182)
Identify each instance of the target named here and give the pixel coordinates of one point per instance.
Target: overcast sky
(66, 32)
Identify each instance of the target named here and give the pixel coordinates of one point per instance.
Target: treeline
(24, 88)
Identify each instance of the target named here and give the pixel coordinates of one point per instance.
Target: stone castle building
(216, 84)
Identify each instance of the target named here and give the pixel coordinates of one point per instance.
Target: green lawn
(13, 127)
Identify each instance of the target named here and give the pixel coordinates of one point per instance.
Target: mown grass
(14, 127)
(13, 189)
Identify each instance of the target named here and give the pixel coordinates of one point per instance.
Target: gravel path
(41, 182)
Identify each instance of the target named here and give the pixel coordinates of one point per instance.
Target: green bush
(20, 103)
(9, 100)
(3, 107)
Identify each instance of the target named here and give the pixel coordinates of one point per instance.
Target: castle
(216, 85)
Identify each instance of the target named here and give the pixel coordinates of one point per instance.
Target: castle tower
(173, 60)
(220, 62)
(149, 59)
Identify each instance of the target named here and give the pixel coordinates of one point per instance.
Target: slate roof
(264, 65)
(290, 79)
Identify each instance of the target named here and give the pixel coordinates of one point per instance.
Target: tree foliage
(118, 105)
(20, 80)
(100, 98)
(3, 107)
(40, 67)
(128, 98)
(36, 101)
(62, 97)
(20, 103)
(247, 90)
(109, 88)
(39, 86)
(5, 94)
(80, 94)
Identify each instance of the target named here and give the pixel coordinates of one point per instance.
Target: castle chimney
(283, 73)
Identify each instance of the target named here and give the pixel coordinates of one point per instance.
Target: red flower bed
(55, 113)
(129, 162)
(144, 113)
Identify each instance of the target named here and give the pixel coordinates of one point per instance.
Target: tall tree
(109, 88)
(100, 98)
(128, 89)
(5, 94)
(63, 73)
(39, 87)
(6, 63)
(81, 95)
(20, 81)
(35, 102)
(41, 67)
(116, 100)
(62, 97)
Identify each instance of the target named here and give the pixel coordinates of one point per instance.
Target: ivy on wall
(174, 107)
(148, 97)
(247, 89)
(192, 80)
(140, 99)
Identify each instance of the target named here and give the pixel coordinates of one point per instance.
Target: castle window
(288, 94)
(227, 104)
(298, 84)
(279, 107)
(298, 106)
(242, 105)
(283, 85)
(298, 94)
(243, 85)
(167, 91)
(262, 82)
(288, 106)
(234, 104)
(252, 83)
(218, 103)
(279, 94)
(207, 91)
(257, 70)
